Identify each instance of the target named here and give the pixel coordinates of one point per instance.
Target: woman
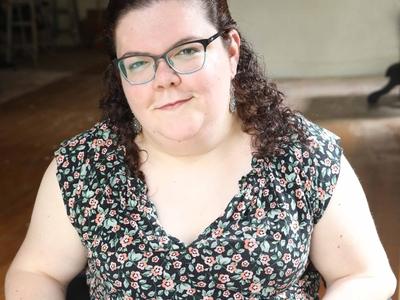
(198, 184)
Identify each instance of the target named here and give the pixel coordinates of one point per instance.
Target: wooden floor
(32, 126)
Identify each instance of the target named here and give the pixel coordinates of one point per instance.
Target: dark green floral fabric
(257, 249)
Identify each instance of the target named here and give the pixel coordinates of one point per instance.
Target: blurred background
(338, 62)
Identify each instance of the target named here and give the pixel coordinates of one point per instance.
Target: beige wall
(319, 38)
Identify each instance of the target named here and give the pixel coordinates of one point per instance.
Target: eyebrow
(179, 42)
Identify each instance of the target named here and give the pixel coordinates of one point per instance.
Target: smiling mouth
(173, 105)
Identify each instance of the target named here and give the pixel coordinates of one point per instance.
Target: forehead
(163, 23)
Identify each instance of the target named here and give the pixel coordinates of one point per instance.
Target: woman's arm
(345, 247)
(51, 254)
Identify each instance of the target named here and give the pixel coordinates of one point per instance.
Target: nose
(164, 75)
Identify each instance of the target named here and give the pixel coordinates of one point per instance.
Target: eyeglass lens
(184, 59)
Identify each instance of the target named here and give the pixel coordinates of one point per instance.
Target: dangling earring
(137, 127)
(232, 101)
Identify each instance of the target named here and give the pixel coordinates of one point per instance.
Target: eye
(137, 65)
(188, 51)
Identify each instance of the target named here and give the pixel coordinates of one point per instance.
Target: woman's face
(178, 107)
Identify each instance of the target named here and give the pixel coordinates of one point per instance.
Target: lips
(173, 104)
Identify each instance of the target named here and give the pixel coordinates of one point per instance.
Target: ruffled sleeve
(321, 160)
(81, 162)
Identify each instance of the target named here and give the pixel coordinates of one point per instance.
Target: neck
(198, 150)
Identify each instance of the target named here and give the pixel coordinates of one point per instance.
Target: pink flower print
(99, 219)
(126, 240)
(208, 298)
(271, 282)
(250, 244)
(237, 257)
(283, 182)
(245, 263)
(81, 155)
(93, 203)
(321, 194)
(236, 216)
(277, 236)
(231, 268)
(238, 296)
(308, 185)
(201, 284)
(135, 285)
(191, 291)
(66, 185)
(226, 293)
(155, 259)
(117, 283)
(174, 254)
(306, 154)
(209, 260)
(113, 266)
(265, 192)
(335, 169)
(282, 215)
(283, 169)
(135, 217)
(60, 159)
(122, 257)
(157, 271)
(193, 252)
(104, 248)
(224, 278)
(65, 164)
(220, 249)
(141, 265)
(71, 202)
(288, 272)
(240, 206)
(259, 214)
(264, 259)
(272, 205)
(299, 193)
(183, 278)
(261, 232)
(297, 154)
(217, 232)
(255, 287)
(115, 228)
(327, 162)
(300, 204)
(135, 276)
(268, 270)
(287, 257)
(177, 264)
(167, 284)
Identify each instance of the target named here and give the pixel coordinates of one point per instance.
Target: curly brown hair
(259, 102)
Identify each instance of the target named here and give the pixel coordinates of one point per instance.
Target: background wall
(314, 38)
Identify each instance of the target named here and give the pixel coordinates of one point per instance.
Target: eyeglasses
(185, 58)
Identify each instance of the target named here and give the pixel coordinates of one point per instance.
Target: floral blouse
(257, 249)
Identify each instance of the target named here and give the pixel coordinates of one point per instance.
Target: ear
(234, 50)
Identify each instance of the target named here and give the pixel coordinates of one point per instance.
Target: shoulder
(317, 161)
(98, 139)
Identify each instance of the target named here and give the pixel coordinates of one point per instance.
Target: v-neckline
(206, 230)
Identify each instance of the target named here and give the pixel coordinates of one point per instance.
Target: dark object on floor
(78, 289)
(393, 72)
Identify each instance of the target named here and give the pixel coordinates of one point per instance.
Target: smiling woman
(198, 183)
